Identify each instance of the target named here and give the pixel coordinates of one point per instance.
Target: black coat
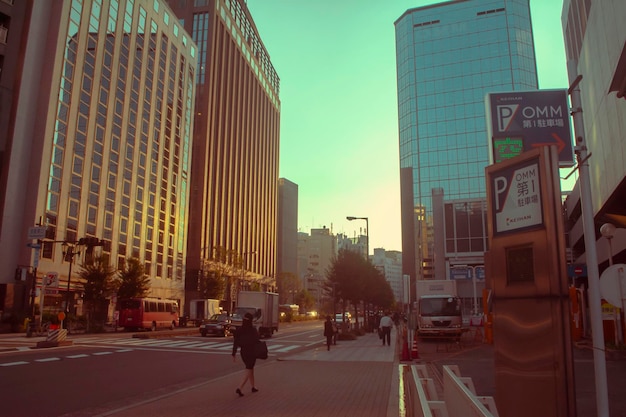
(246, 337)
(329, 328)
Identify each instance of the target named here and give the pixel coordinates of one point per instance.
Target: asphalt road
(100, 372)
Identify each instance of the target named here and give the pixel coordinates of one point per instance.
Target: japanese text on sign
(517, 198)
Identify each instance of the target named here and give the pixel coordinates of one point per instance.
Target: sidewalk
(355, 378)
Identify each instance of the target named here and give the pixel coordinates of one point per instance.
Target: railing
(460, 399)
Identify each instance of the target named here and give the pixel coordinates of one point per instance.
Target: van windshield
(447, 306)
(241, 311)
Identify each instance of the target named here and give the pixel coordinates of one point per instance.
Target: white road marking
(47, 360)
(14, 363)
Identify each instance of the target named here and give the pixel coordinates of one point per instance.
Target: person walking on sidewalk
(329, 331)
(246, 337)
(385, 327)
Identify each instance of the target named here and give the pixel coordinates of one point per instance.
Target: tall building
(98, 142)
(316, 253)
(449, 55)
(587, 24)
(287, 227)
(234, 169)
(389, 262)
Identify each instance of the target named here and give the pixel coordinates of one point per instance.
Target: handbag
(260, 350)
(380, 333)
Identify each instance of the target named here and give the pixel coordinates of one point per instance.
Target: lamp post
(367, 233)
(608, 231)
(68, 252)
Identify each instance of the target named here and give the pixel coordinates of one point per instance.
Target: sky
(339, 125)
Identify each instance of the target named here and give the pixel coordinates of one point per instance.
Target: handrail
(460, 399)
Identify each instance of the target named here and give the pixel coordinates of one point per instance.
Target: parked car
(216, 325)
(339, 320)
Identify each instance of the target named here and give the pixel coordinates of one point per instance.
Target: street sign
(577, 270)
(37, 232)
(52, 279)
(516, 197)
(522, 120)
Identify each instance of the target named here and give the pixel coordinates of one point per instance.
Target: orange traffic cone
(414, 353)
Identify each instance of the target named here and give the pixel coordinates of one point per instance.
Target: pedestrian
(385, 327)
(246, 337)
(329, 332)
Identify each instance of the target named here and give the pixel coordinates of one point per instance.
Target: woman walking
(246, 338)
(329, 331)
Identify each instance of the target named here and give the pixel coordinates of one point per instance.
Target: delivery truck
(264, 309)
(438, 308)
(202, 309)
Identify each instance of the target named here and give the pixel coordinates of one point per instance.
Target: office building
(316, 253)
(449, 55)
(389, 263)
(587, 24)
(287, 228)
(234, 170)
(98, 142)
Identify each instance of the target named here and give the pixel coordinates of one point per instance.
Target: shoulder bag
(260, 350)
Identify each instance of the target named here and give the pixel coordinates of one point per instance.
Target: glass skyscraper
(449, 56)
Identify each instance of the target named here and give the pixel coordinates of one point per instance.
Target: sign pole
(595, 307)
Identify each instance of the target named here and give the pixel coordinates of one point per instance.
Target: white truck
(264, 309)
(202, 309)
(438, 309)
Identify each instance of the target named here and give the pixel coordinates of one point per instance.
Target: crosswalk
(204, 345)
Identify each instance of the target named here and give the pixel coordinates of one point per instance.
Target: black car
(216, 325)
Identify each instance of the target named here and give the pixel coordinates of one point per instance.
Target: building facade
(587, 24)
(287, 228)
(389, 262)
(449, 55)
(316, 253)
(234, 168)
(99, 143)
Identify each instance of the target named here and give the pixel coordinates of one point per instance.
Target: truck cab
(439, 315)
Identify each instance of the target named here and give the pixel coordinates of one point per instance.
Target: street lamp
(367, 233)
(68, 252)
(608, 231)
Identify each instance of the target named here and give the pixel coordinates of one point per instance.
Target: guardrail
(460, 399)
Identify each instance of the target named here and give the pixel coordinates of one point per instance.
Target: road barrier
(56, 335)
(460, 399)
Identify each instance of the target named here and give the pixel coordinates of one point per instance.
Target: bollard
(414, 353)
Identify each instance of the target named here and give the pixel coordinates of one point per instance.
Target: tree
(305, 300)
(98, 284)
(219, 270)
(351, 279)
(288, 286)
(132, 280)
(211, 284)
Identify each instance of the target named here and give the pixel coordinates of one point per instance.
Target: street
(108, 371)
